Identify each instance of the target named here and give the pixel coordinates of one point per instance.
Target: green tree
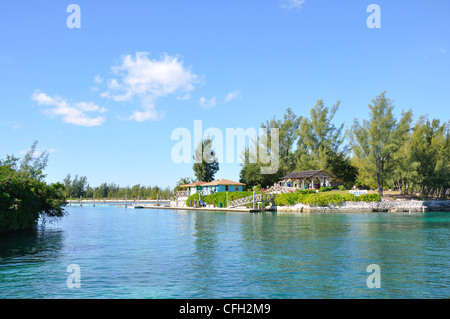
(375, 141)
(319, 138)
(340, 166)
(183, 181)
(206, 163)
(429, 154)
(24, 195)
(288, 136)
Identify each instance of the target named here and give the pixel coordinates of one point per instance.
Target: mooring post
(253, 199)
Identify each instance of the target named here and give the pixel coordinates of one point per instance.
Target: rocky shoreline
(413, 206)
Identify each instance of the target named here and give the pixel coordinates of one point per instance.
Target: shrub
(325, 189)
(306, 191)
(320, 199)
(342, 187)
(369, 198)
(216, 198)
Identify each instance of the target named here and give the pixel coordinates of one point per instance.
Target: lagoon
(160, 253)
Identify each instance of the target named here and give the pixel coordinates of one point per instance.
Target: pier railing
(256, 198)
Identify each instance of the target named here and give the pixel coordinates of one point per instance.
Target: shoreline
(412, 206)
(385, 206)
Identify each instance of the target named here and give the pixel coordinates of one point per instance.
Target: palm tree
(183, 181)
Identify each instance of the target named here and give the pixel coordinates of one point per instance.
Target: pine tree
(206, 163)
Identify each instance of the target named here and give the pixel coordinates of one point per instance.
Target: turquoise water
(196, 254)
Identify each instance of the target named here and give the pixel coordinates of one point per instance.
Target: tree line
(78, 186)
(381, 152)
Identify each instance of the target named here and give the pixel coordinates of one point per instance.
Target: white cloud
(184, 97)
(98, 79)
(149, 79)
(293, 4)
(231, 96)
(72, 113)
(205, 103)
(210, 103)
(443, 51)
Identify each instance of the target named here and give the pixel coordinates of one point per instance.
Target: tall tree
(319, 139)
(375, 141)
(206, 163)
(430, 151)
(288, 135)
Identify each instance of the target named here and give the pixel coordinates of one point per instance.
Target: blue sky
(104, 99)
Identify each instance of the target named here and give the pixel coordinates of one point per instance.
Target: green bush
(25, 196)
(306, 191)
(321, 199)
(220, 197)
(325, 189)
(370, 198)
(288, 199)
(342, 187)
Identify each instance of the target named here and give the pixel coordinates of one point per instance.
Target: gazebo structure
(306, 179)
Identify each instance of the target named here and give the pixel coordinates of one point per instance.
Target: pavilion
(306, 179)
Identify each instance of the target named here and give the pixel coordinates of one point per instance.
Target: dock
(154, 204)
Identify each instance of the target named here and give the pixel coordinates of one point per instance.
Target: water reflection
(198, 254)
(35, 245)
(205, 251)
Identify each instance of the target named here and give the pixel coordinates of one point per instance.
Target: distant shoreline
(413, 206)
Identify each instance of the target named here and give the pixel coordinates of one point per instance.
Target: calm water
(187, 254)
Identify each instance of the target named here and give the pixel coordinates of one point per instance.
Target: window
(226, 188)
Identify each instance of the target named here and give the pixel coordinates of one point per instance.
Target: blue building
(222, 185)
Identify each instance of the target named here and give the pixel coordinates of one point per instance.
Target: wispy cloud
(147, 80)
(293, 4)
(71, 112)
(232, 95)
(98, 79)
(210, 103)
(443, 51)
(11, 124)
(207, 104)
